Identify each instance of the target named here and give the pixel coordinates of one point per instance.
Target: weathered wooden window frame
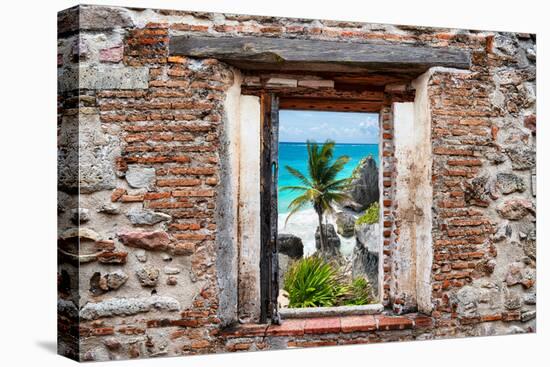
(271, 103)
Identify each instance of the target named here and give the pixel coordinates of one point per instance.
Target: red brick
(393, 323)
(183, 248)
(196, 193)
(185, 226)
(238, 347)
(246, 330)
(185, 323)
(191, 236)
(156, 195)
(199, 344)
(496, 317)
(131, 198)
(117, 194)
(130, 330)
(290, 327)
(422, 321)
(358, 323)
(179, 182)
(103, 331)
(321, 325)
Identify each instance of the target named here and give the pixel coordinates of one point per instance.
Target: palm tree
(320, 188)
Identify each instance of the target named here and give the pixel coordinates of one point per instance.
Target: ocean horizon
(294, 154)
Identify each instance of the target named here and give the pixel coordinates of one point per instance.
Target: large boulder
(345, 223)
(364, 185)
(365, 255)
(365, 263)
(290, 245)
(332, 240)
(368, 235)
(284, 263)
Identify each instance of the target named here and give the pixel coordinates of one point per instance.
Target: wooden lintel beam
(260, 53)
(324, 104)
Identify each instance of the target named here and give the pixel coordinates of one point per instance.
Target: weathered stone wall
(147, 252)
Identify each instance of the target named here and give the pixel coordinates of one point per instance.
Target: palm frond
(297, 204)
(293, 188)
(299, 175)
(321, 188)
(334, 169)
(339, 185)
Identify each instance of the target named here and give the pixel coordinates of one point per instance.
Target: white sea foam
(304, 223)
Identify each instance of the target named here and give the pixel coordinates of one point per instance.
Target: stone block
(147, 217)
(127, 306)
(104, 18)
(152, 241)
(102, 77)
(140, 177)
(111, 54)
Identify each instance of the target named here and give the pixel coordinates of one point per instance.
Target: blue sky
(342, 127)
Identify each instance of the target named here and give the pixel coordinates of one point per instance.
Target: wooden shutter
(269, 264)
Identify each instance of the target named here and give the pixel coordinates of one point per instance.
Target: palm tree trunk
(321, 233)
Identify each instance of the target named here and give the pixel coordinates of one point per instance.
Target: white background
(28, 182)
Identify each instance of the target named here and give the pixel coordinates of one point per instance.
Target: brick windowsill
(331, 325)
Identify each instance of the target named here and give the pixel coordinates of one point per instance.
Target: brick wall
(144, 130)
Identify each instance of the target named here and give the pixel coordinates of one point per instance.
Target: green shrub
(312, 282)
(371, 215)
(358, 293)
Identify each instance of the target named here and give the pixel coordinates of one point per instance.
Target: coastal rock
(365, 255)
(283, 299)
(284, 262)
(332, 240)
(290, 245)
(345, 223)
(364, 185)
(368, 236)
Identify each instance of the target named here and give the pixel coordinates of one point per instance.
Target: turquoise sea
(295, 155)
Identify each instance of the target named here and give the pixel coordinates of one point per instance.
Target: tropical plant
(320, 187)
(312, 282)
(358, 293)
(371, 215)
